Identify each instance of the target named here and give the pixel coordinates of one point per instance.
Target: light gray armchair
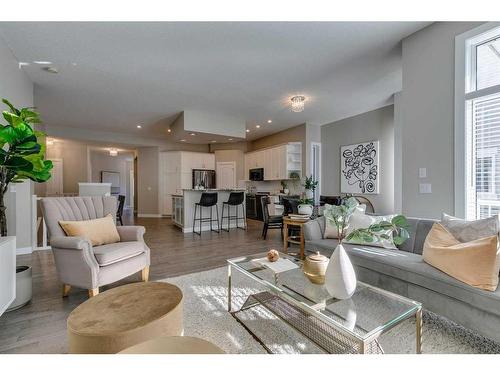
(80, 264)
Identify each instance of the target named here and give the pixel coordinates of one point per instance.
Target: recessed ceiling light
(230, 139)
(51, 69)
(192, 134)
(139, 126)
(248, 130)
(269, 121)
(169, 130)
(257, 126)
(43, 62)
(183, 140)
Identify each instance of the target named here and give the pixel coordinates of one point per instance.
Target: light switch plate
(425, 188)
(422, 172)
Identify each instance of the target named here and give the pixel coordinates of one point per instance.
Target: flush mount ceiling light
(269, 121)
(113, 152)
(139, 126)
(51, 69)
(169, 130)
(298, 103)
(257, 126)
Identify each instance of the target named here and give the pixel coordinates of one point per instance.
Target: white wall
(18, 89)
(427, 110)
(369, 126)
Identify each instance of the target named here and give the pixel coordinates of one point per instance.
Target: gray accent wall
(427, 118)
(369, 126)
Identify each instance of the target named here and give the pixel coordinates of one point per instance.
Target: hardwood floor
(40, 327)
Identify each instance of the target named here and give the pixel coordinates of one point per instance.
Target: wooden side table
(299, 240)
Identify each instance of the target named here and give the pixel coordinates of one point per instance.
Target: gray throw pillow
(466, 231)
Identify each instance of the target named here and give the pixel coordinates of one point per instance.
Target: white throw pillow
(331, 230)
(362, 221)
(467, 231)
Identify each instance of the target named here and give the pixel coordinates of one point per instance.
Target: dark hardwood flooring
(40, 326)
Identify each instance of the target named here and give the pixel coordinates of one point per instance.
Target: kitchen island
(183, 209)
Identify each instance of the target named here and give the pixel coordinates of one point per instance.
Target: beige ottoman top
(174, 345)
(124, 308)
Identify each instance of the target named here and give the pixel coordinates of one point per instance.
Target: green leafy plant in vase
(21, 153)
(340, 278)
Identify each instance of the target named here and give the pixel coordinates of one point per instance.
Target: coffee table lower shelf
(323, 335)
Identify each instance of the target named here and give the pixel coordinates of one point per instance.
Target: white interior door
(226, 175)
(55, 183)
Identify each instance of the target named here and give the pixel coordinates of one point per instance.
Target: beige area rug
(206, 316)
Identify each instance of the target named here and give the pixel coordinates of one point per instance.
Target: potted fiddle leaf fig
(21, 153)
(21, 158)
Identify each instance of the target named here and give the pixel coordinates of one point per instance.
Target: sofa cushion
(474, 262)
(466, 231)
(116, 252)
(411, 268)
(325, 246)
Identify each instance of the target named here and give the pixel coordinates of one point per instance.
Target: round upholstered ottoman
(174, 345)
(125, 316)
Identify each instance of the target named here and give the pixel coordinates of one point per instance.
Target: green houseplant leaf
(21, 153)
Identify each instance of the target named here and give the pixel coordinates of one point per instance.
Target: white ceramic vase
(309, 194)
(340, 278)
(305, 209)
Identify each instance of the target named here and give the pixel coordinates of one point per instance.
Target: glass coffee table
(336, 326)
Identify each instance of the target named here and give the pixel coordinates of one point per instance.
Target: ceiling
(114, 76)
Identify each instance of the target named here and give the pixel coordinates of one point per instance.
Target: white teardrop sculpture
(340, 278)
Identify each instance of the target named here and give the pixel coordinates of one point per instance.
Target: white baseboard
(24, 250)
(41, 248)
(149, 215)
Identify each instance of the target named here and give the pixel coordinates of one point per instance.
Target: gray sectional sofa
(404, 272)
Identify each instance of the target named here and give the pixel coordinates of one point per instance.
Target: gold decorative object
(315, 267)
(273, 255)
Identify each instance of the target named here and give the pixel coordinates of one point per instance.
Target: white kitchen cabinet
(176, 174)
(279, 162)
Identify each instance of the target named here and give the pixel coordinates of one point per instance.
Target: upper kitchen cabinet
(279, 163)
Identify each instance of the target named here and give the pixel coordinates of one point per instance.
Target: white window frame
(464, 91)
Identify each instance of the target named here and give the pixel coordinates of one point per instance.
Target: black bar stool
(206, 200)
(236, 199)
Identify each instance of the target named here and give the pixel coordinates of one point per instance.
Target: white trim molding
(463, 86)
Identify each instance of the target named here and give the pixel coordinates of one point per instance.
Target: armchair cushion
(99, 231)
(116, 252)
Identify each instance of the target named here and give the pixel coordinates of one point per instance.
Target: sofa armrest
(72, 243)
(131, 233)
(313, 230)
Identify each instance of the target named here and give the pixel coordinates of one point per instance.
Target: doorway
(226, 175)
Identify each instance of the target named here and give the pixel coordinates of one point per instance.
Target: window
(481, 118)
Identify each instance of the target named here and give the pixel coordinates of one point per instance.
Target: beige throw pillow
(361, 220)
(331, 230)
(100, 231)
(466, 231)
(475, 262)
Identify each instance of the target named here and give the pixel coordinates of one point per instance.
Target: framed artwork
(360, 168)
